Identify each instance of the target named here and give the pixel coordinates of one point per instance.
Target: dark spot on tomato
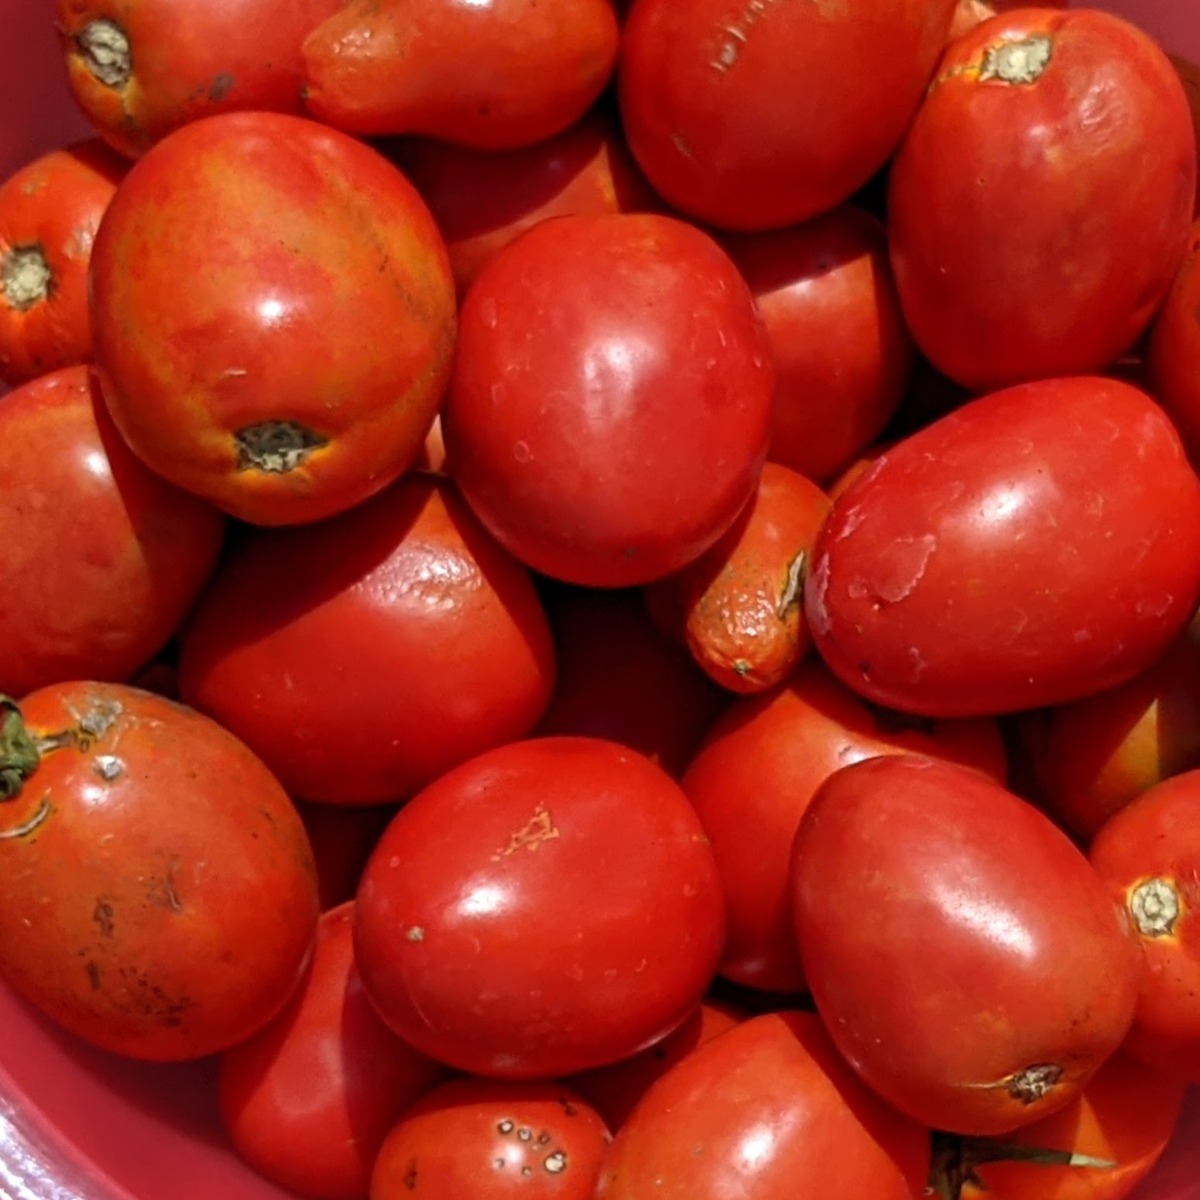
(93, 974)
(220, 86)
(102, 915)
(568, 1108)
(409, 1178)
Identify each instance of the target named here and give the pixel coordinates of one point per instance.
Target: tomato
(158, 896)
(610, 405)
(970, 13)
(487, 1139)
(759, 115)
(308, 1100)
(1148, 855)
(1039, 204)
(1189, 76)
(101, 559)
(964, 956)
(546, 907)
(273, 315)
(754, 775)
(49, 212)
(487, 73)
(418, 644)
(141, 68)
(769, 1110)
(1173, 352)
(1034, 546)
(842, 354)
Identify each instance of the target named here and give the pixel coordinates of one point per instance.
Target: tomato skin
(308, 1100)
(955, 939)
(759, 116)
(291, 378)
(545, 908)
(1173, 353)
(701, 1132)
(641, 329)
(1059, 522)
(101, 559)
(1026, 246)
(487, 1139)
(135, 860)
(418, 644)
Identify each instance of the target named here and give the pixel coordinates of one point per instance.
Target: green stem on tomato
(19, 753)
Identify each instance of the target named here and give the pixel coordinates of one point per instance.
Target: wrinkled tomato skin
(964, 955)
(545, 908)
(1173, 353)
(757, 116)
(101, 559)
(1034, 546)
(1035, 226)
(158, 896)
(767, 1109)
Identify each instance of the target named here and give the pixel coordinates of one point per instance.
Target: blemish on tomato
(1017, 62)
(26, 279)
(1155, 907)
(104, 47)
(275, 447)
(538, 829)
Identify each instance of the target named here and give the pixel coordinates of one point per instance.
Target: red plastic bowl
(78, 1124)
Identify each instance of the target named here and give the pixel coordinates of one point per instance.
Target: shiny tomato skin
(547, 907)
(1036, 219)
(297, 372)
(964, 955)
(768, 1109)
(101, 559)
(1034, 546)
(158, 896)
(1173, 351)
(610, 405)
(308, 1100)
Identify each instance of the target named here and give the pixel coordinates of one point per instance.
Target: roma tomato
(964, 956)
(488, 1139)
(758, 115)
(1034, 546)
(158, 896)
(1173, 352)
(418, 644)
(273, 315)
(308, 1100)
(610, 405)
(101, 559)
(768, 1109)
(547, 907)
(1039, 204)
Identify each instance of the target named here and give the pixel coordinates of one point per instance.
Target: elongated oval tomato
(1033, 546)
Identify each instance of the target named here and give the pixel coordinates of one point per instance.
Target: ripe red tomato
(158, 895)
(308, 1100)
(1032, 547)
(1173, 352)
(964, 956)
(273, 315)
(768, 1109)
(610, 405)
(547, 907)
(1039, 204)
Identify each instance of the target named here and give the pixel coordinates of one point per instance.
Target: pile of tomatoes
(600, 599)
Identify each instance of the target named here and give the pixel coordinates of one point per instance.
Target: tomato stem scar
(25, 277)
(275, 447)
(1154, 906)
(1017, 62)
(104, 46)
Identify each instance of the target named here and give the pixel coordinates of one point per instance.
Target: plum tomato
(308, 1099)
(273, 314)
(610, 405)
(158, 895)
(1034, 546)
(769, 1109)
(417, 644)
(547, 907)
(1039, 204)
(1173, 351)
(964, 955)
(101, 559)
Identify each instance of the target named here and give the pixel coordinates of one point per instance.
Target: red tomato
(308, 1100)
(273, 315)
(158, 896)
(487, 1139)
(1032, 547)
(758, 115)
(964, 956)
(1173, 353)
(610, 405)
(970, 13)
(1039, 204)
(101, 559)
(49, 212)
(768, 1110)
(418, 643)
(547, 907)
